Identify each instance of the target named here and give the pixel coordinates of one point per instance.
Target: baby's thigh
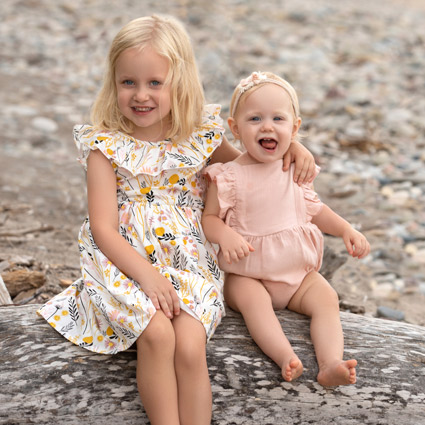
(280, 292)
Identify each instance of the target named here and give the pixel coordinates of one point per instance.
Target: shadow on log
(47, 380)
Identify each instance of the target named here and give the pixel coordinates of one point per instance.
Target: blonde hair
(168, 37)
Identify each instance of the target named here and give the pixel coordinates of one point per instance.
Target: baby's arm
(103, 213)
(331, 223)
(233, 246)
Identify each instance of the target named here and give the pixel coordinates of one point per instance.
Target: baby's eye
(278, 119)
(255, 119)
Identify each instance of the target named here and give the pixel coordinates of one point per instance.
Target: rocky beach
(358, 67)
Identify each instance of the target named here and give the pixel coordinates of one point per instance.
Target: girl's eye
(155, 83)
(128, 82)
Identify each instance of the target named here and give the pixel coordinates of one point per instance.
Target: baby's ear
(233, 127)
(297, 125)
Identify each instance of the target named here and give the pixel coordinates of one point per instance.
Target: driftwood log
(47, 380)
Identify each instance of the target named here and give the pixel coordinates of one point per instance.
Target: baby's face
(265, 124)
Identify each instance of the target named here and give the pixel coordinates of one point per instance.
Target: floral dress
(160, 191)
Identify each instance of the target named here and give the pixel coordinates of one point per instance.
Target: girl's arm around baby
(233, 246)
(331, 223)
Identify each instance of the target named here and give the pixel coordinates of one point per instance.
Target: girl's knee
(191, 355)
(191, 351)
(158, 335)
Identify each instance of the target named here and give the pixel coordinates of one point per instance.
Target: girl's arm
(233, 246)
(226, 152)
(305, 166)
(331, 223)
(103, 213)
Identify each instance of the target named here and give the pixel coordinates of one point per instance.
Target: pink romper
(262, 203)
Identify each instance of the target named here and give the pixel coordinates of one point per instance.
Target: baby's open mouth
(268, 144)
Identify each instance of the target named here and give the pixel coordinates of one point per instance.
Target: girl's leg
(250, 298)
(156, 376)
(193, 382)
(317, 299)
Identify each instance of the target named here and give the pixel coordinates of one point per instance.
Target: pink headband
(257, 78)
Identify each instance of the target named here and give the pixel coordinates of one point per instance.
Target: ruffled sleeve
(152, 158)
(313, 203)
(223, 176)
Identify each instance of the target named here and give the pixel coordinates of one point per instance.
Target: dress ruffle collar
(152, 158)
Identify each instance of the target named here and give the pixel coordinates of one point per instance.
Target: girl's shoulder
(209, 135)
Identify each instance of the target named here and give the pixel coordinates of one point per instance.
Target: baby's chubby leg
(318, 300)
(249, 297)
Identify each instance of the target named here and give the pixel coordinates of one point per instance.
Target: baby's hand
(234, 247)
(356, 243)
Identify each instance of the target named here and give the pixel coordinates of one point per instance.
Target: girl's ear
(296, 127)
(233, 127)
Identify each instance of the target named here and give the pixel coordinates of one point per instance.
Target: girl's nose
(141, 94)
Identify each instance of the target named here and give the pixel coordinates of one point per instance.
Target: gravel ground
(359, 70)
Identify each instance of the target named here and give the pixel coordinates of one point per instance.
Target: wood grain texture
(47, 380)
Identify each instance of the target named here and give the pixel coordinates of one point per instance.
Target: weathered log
(47, 380)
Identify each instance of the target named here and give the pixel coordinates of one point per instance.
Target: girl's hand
(234, 246)
(305, 166)
(162, 294)
(356, 243)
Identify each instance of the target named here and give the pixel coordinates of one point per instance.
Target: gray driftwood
(47, 380)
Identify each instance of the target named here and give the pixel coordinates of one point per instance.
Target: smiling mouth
(142, 109)
(268, 144)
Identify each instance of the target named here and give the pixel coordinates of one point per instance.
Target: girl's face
(142, 95)
(264, 123)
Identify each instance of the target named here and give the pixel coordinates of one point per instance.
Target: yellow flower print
(110, 151)
(149, 249)
(193, 184)
(217, 136)
(145, 190)
(109, 331)
(117, 284)
(100, 338)
(57, 317)
(209, 149)
(88, 339)
(65, 313)
(52, 324)
(173, 242)
(160, 231)
(174, 179)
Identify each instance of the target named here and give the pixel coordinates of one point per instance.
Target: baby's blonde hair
(168, 37)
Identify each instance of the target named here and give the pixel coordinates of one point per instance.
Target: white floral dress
(160, 192)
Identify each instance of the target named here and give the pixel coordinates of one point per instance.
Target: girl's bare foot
(338, 373)
(292, 370)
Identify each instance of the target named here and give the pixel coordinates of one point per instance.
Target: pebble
(357, 66)
(390, 313)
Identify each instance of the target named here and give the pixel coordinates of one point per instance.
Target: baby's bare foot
(338, 373)
(292, 370)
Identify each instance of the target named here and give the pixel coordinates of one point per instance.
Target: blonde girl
(270, 232)
(148, 275)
